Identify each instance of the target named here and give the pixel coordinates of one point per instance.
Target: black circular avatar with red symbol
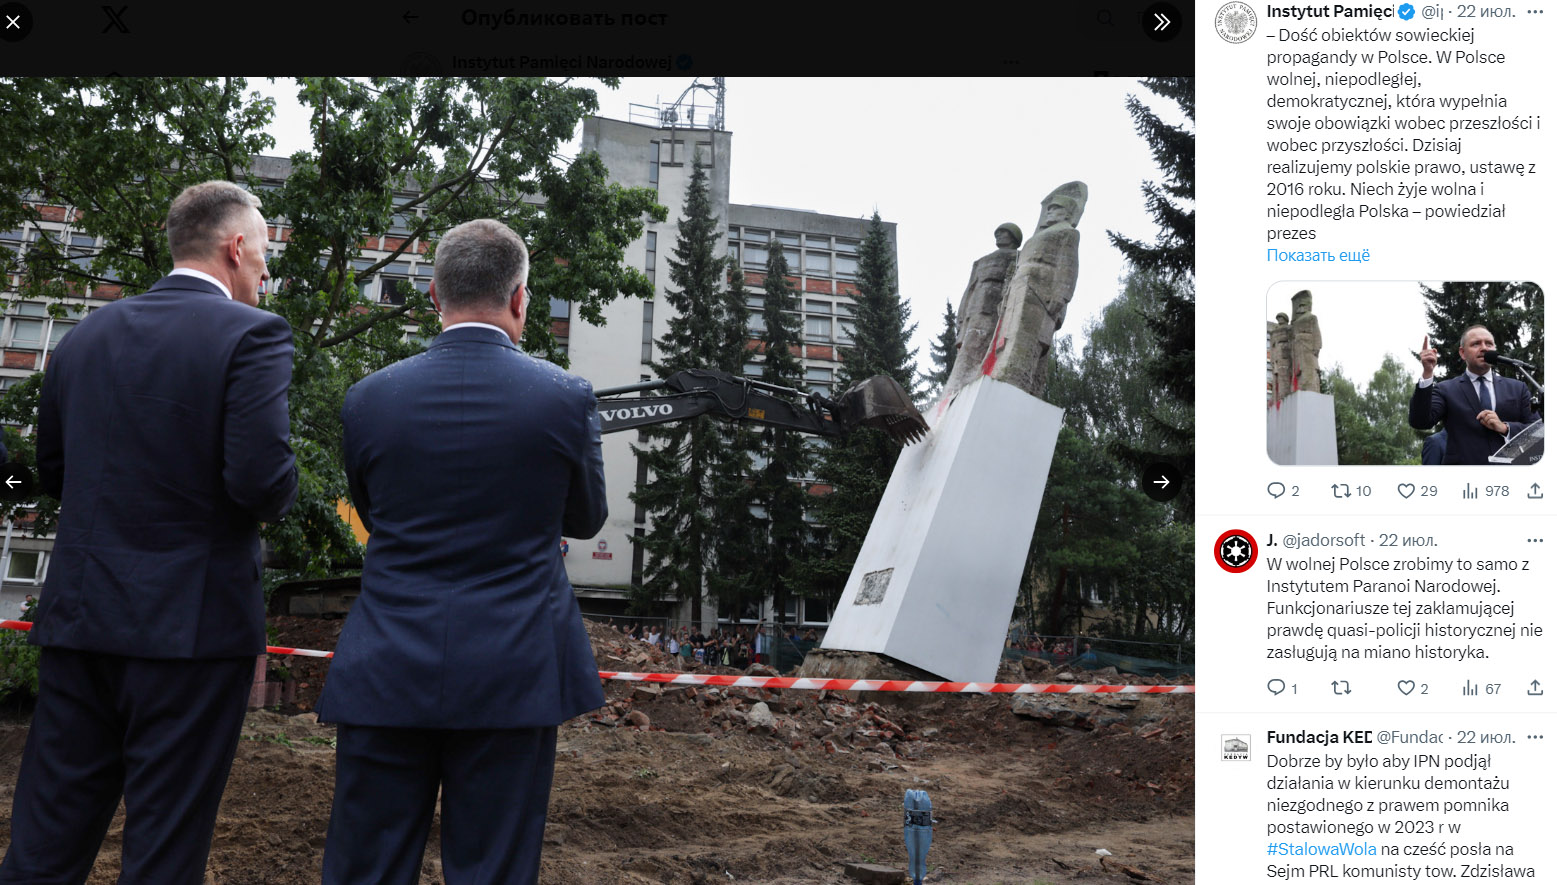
(1236, 551)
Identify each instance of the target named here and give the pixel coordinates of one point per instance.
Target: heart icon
(1406, 686)
(1406, 489)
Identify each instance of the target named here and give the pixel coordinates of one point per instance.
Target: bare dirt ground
(695, 785)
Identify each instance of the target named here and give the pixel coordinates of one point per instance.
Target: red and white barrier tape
(814, 684)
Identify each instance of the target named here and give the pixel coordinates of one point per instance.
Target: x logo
(115, 20)
(13, 21)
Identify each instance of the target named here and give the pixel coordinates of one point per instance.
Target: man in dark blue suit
(163, 430)
(1479, 409)
(465, 649)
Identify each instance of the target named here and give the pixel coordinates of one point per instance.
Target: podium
(1526, 447)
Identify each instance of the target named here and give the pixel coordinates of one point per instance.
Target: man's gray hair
(478, 265)
(1469, 329)
(204, 215)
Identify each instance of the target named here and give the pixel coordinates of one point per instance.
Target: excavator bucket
(882, 403)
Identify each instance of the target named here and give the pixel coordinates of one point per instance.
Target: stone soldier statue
(980, 309)
(1040, 290)
(1306, 341)
(1281, 358)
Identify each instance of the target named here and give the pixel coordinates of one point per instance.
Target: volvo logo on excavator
(634, 412)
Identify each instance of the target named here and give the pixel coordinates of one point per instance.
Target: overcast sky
(1361, 321)
(947, 160)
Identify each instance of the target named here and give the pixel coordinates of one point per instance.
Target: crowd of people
(734, 646)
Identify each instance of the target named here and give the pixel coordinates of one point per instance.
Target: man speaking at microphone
(465, 650)
(1480, 410)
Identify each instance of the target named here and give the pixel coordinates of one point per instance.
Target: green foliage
(785, 455)
(1170, 265)
(696, 496)
(1513, 312)
(882, 330)
(427, 153)
(1098, 535)
(1371, 425)
(18, 666)
(858, 467)
(943, 352)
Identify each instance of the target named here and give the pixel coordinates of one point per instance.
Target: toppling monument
(937, 576)
(1299, 420)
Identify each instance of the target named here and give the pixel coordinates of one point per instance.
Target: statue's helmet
(1072, 197)
(1282, 319)
(1303, 302)
(1012, 229)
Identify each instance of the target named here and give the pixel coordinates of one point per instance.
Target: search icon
(1275, 686)
(1104, 17)
(1275, 490)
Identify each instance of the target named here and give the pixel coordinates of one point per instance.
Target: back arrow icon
(11, 483)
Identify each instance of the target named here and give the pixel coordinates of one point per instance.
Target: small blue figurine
(916, 832)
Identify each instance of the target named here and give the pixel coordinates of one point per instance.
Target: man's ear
(516, 305)
(432, 292)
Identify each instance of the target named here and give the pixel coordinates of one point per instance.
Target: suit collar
(473, 334)
(188, 283)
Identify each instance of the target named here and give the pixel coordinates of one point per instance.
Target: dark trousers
(496, 785)
(161, 733)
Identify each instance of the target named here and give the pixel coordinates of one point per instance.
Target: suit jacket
(1455, 403)
(468, 463)
(163, 430)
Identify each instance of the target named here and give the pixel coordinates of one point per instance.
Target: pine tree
(696, 488)
(1504, 308)
(857, 468)
(785, 458)
(943, 353)
(1172, 262)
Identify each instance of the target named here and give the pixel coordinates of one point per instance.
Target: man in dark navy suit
(465, 649)
(1480, 410)
(163, 430)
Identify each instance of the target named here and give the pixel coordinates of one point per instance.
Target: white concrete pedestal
(938, 574)
(1301, 429)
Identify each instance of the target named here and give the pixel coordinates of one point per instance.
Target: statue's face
(1003, 239)
(1054, 213)
(1301, 306)
(1281, 319)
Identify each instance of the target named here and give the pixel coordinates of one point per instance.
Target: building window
(845, 331)
(756, 257)
(25, 566)
(819, 329)
(755, 324)
(559, 308)
(792, 258)
(654, 163)
(818, 306)
(752, 370)
(393, 290)
(820, 380)
(756, 236)
(26, 334)
(850, 246)
(788, 239)
(815, 242)
(816, 611)
(651, 255)
(648, 333)
(847, 267)
(818, 264)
